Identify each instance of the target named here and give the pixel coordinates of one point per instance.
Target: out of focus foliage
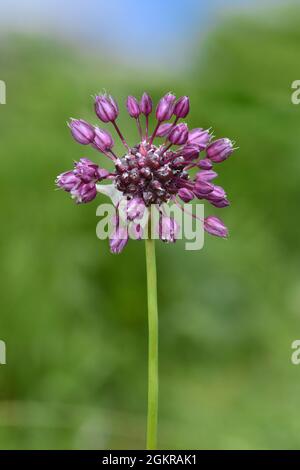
(74, 317)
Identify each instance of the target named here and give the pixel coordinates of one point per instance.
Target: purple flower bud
(185, 194)
(82, 131)
(164, 129)
(165, 107)
(86, 170)
(146, 104)
(205, 164)
(191, 152)
(219, 150)
(199, 137)
(102, 173)
(133, 107)
(118, 239)
(221, 203)
(103, 140)
(206, 175)
(135, 208)
(217, 194)
(202, 189)
(168, 229)
(179, 134)
(215, 226)
(84, 193)
(106, 108)
(182, 107)
(67, 181)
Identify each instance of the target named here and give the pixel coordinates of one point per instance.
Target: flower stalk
(152, 343)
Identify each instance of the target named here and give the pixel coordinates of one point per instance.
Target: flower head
(149, 173)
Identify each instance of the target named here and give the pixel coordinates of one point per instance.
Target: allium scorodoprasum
(149, 172)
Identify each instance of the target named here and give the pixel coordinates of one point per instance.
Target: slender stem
(154, 132)
(147, 126)
(153, 343)
(138, 123)
(120, 135)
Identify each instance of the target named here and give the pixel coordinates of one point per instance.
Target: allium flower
(149, 173)
(146, 174)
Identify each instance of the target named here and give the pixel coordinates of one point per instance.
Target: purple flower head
(83, 193)
(215, 226)
(199, 137)
(165, 107)
(182, 107)
(106, 108)
(164, 129)
(118, 239)
(168, 229)
(179, 134)
(148, 173)
(219, 150)
(146, 104)
(133, 107)
(103, 140)
(82, 131)
(186, 194)
(67, 181)
(205, 164)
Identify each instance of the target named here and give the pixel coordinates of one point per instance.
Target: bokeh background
(73, 316)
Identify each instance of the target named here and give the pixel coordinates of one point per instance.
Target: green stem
(152, 345)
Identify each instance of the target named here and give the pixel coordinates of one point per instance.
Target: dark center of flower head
(150, 172)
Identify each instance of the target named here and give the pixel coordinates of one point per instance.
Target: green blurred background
(74, 317)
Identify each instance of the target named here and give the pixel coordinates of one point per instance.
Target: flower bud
(221, 203)
(82, 131)
(182, 107)
(190, 152)
(106, 108)
(67, 181)
(84, 193)
(206, 175)
(217, 194)
(215, 226)
(179, 134)
(133, 107)
(199, 137)
(86, 170)
(118, 239)
(168, 229)
(146, 104)
(165, 107)
(219, 150)
(205, 164)
(164, 129)
(185, 194)
(103, 140)
(202, 189)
